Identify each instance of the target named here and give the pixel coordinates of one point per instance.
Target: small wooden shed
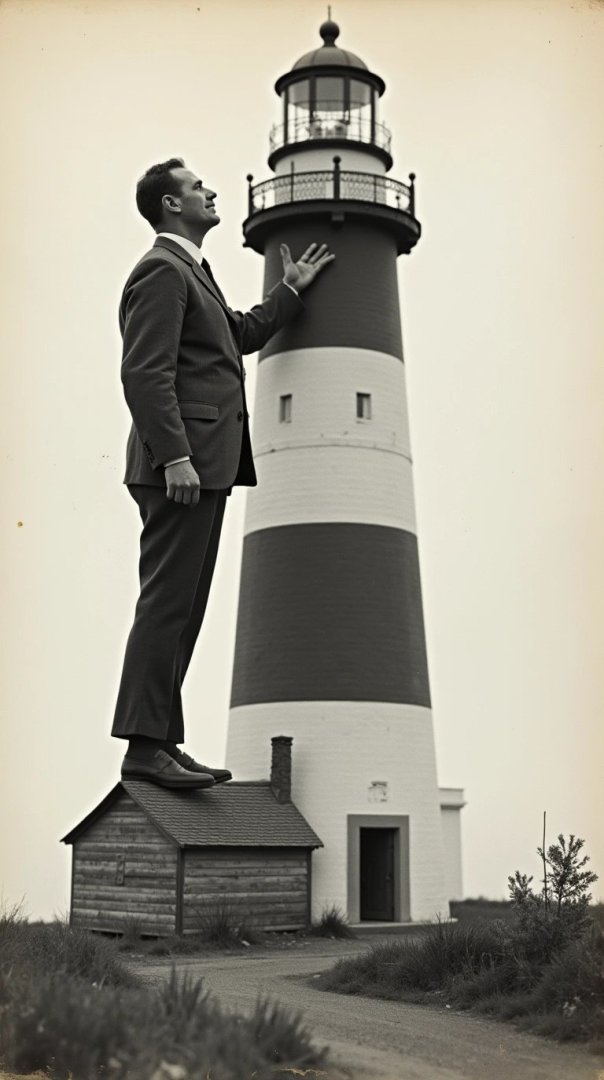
(162, 857)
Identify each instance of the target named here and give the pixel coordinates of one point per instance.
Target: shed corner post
(180, 889)
(309, 887)
(71, 888)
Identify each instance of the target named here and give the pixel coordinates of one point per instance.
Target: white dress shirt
(184, 242)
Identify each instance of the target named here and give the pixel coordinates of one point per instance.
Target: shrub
(548, 921)
(333, 923)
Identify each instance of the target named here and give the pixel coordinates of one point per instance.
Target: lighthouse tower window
(285, 408)
(363, 406)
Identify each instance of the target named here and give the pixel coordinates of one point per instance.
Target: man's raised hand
(182, 483)
(300, 274)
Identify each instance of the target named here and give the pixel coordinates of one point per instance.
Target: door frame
(402, 902)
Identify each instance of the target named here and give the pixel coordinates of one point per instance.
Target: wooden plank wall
(266, 887)
(124, 869)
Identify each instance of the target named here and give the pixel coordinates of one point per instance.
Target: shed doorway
(377, 874)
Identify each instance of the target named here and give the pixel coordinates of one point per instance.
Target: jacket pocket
(198, 410)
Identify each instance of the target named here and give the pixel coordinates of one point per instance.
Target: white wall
(450, 816)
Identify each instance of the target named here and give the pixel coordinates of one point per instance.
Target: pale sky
(496, 105)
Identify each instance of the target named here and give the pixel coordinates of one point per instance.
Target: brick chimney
(281, 767)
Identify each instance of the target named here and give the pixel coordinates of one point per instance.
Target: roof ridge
(213, 820)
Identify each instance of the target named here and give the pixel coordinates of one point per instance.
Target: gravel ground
(371, 1039)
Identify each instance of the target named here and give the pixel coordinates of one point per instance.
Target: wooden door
(377, 874)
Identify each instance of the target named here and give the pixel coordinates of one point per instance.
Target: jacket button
(240, 415)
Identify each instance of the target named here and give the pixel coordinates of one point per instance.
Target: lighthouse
(330, 645)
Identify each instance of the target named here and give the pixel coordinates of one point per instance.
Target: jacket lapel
(200, 272)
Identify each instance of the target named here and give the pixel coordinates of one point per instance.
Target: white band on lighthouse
(341, 466)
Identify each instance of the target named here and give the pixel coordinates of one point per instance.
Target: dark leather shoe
(189, 763)
(165, 771)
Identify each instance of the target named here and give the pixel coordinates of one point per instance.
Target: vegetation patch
(333, 923)
(479, 909)
(70, 1008)
(541, 965)
(220, 923)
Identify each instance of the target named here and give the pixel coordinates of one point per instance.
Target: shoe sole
(224, 780)
(185, 785)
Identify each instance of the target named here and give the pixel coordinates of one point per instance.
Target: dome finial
(329, 30)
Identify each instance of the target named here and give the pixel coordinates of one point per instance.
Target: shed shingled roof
(237, 814)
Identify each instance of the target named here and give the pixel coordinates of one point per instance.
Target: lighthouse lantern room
(329, 95)
(330, 644)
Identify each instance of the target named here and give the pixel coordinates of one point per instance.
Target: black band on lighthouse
(330, 612)
(356, 302)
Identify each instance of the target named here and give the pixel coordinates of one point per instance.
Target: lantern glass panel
(360, 94)
(299, 94)
(329, 93)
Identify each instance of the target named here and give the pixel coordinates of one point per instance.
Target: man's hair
(157, 182)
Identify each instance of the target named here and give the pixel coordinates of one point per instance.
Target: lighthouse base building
(330, 644)
(391, 837)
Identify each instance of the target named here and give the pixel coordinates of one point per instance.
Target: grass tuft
(131, 938)
(220, 923)
(333, 923)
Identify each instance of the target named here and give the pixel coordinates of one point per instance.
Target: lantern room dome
(329, 53)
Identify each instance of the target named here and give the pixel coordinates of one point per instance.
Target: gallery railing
(336, 184)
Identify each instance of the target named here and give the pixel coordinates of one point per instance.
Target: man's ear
(171, 204)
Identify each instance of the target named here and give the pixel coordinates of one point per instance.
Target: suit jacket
(182, 368)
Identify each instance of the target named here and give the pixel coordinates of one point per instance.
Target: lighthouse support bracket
(259, 227)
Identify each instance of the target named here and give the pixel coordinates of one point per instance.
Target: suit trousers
(178, 551)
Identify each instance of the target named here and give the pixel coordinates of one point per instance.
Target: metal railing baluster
(336, 184)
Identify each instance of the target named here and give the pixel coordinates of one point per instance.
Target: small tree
(547, 921)
(568, 881)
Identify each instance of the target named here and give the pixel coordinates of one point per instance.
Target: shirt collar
(188, 245)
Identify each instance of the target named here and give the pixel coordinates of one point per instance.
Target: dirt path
(382, 1040)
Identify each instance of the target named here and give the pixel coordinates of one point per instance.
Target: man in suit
(183, 379)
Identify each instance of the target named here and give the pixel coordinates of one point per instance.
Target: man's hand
(305, 270)
(182, 483)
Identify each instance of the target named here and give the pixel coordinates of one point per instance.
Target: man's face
(196, 201)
